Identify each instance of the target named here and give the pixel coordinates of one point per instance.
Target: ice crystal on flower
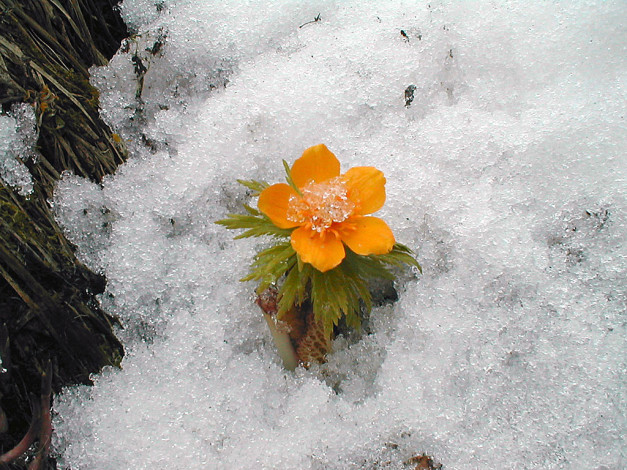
(321, 205)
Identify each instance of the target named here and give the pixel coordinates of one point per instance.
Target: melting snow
(18, 135)
(500, 129)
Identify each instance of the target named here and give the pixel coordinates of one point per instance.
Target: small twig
(315, 20)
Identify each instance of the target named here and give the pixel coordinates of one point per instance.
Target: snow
(18, 135)
(500, 129)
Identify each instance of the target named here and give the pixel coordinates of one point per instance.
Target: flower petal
(366, 188)
(316, 164)
(273, 202)
(322, 249)
(367, 235)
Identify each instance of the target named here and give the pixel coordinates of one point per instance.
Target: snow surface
(18, 135)
(506, 173)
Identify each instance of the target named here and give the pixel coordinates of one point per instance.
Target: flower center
(322, 205)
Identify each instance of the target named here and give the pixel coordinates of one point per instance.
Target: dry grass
(48, 313)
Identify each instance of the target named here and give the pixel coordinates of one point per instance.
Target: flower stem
(267, 301)
(283, 343)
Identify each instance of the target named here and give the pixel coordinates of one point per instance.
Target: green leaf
(289, 292)
(257, 225)
(236, 221)
(289, 179)
(293, 291)
(399, 256)
(255, 186)
(341, 291)
(364, 293)
(327, 299)
(335, 293)
(300, 263)
(365, 267)
(271, 264)
(353, 321)
(251, 210)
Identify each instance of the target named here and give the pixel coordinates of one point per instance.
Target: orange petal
(273, 202)
(317, 164)
(367, 235)
(366, 188)
(323, 250)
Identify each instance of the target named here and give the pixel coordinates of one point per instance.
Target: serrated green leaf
(288, 292)
(271, 264)
(268, 259)
(402, 248)
(399, 256)
(257, 225)
(364, 294)
(326, 310)
(293, 290)
(266, 229)
(365, 267)
(334, 294)
(236, 221)
(277, 273)
(255, 186)
(353, 321)
(251, 210)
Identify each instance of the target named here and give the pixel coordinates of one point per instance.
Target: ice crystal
(321, 205)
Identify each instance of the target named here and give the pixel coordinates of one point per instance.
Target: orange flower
(331, 210)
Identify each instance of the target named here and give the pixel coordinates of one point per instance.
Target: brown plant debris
(423, 462)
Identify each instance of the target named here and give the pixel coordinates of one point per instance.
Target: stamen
(322, 205)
